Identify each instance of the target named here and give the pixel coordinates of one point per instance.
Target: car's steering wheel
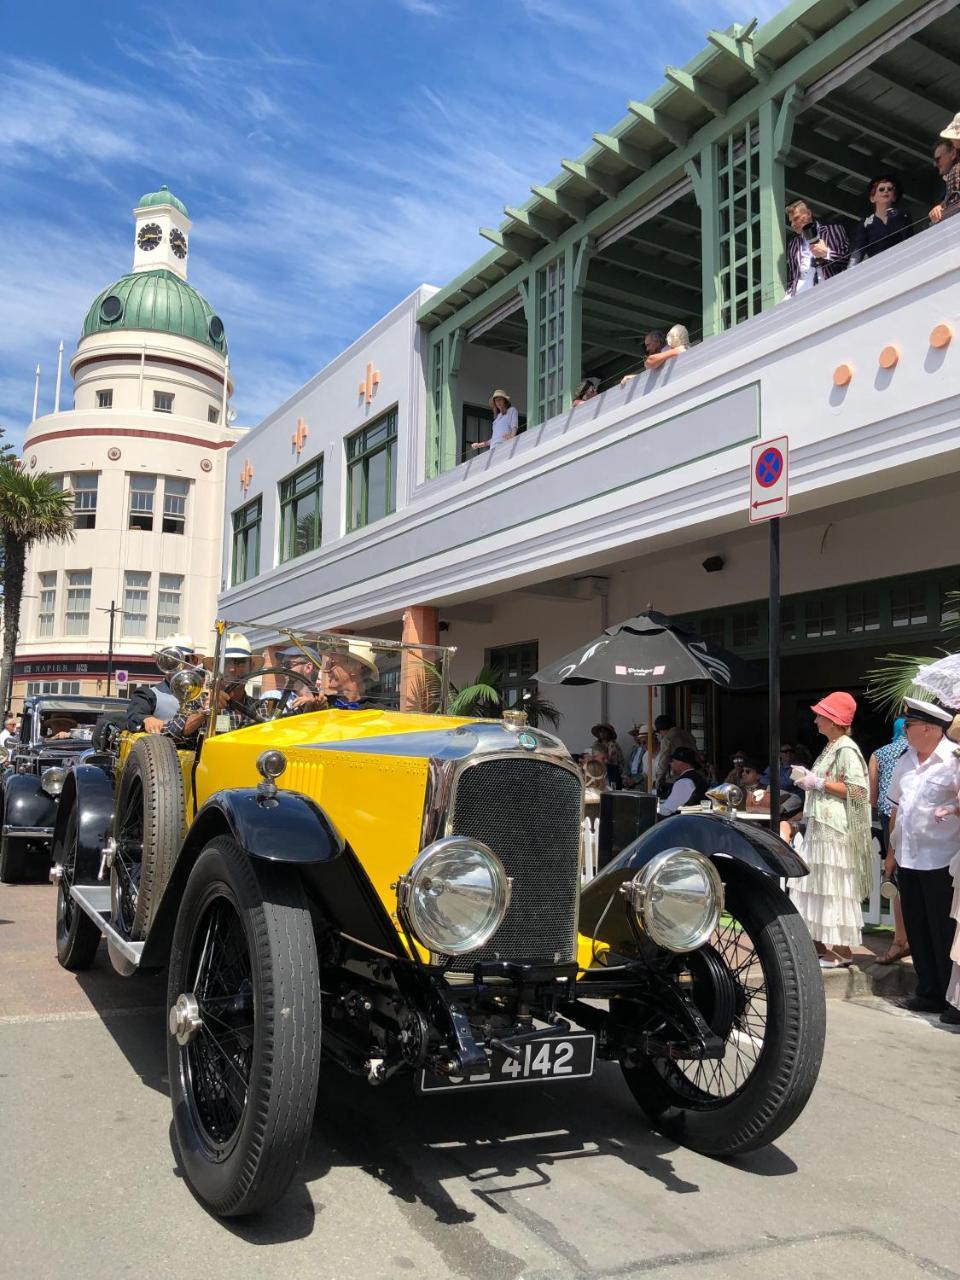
(265, 709)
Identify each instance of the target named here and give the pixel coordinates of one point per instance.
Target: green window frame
(246, 541)
(738, 213)
(372, 472)
(551, 319)
(301, 511)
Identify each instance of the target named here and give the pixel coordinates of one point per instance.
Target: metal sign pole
(774, 674)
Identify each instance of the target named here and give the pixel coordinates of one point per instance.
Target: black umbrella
(649, 650)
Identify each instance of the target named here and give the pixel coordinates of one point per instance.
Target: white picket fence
(876, 910)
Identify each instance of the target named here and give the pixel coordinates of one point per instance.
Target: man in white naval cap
(925, 835)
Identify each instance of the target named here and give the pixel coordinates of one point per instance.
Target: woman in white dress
(506, 423)
(837, 845)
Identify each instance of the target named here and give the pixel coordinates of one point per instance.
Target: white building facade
(143, 452)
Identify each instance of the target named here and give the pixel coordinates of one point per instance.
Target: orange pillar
(421, 625)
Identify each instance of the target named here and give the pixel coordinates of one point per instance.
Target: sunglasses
(878, 190)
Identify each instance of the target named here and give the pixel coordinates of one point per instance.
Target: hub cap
(184, 1020)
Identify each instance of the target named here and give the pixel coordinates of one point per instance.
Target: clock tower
(162, 233)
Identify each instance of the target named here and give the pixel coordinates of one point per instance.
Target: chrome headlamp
(455, 895)
(677, 898)
(52, 780)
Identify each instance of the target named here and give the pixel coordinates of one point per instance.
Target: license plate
(554, 1058)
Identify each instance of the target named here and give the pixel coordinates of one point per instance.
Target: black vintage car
(55, 733)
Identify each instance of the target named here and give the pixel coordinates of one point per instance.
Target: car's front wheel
(77, 936)
(243, 1037)
(13, 856)
(757, 984)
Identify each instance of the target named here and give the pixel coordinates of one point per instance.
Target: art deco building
(143, 452)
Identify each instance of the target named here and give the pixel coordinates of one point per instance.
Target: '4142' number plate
(550, 1058)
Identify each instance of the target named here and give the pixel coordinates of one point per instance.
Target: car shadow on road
(132, 1011)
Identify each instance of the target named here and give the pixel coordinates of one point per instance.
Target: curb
(868, 979)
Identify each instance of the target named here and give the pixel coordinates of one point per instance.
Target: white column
(36, 392)
(56, 394)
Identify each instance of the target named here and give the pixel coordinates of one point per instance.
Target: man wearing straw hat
(506, 422)
(347, 674)
(946, 157)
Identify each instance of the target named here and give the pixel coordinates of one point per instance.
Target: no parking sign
(769, 487)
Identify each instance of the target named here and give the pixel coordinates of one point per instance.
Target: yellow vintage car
(323, 873)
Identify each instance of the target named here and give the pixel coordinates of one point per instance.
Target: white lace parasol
(942, 679)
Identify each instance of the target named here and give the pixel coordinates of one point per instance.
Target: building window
(436, 391)
(550, 353)
(515, 665)
(950, 601)
(301, 511)
(819, 618)
(142, 490)
(168, 604)
(136, 602)
(474, 426)
(788, 623)
(35, 687)
(371, 472)
(48, 604)
(908, 605)
(213, 413)
(738, 183)
(175, 492)
(863, 611)
(246, 541)
(105, 399)
(84, 485)
(163, 402)
(77, 618)
(745, 632)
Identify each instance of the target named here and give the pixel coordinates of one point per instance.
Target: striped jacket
(834, 236)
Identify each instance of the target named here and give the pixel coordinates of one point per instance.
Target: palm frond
(33, 508)
(894, 678)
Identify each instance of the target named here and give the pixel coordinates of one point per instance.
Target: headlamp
(455, 895)
(52, 780)
(677, 898)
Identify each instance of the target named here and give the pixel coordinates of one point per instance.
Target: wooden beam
(715, 100)
(657, 268)
(572, 207)
(666, 241)
(912, 90)
(673, 130)
(546, 230)
(625, 151)
(809, 143)
(873, 124)
(512, 244)
(588, 173)
(741, 51)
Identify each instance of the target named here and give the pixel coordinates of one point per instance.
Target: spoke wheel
(243, 1042)
(148, 829)
(757, 984)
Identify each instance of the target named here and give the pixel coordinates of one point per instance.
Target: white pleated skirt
(827, 899)
(953, 990)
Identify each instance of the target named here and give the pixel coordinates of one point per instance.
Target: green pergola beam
(673, 130)
(546, 230)
(631, 155)
(571, 206)
(588, 173)
(875, 125)
(922, 96)
(655, 237)
(657, 268)
(814, 146)
(741, 50)
(715, 100)
(520, 247)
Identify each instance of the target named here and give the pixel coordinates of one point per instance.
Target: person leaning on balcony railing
(816, 252)
(585, 391)
(678, 340)
(887, 225)
(653, 342)
(506, 423)
(946, 157)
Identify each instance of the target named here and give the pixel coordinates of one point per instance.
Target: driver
(185, 726)
(347, 675)
(304, 662)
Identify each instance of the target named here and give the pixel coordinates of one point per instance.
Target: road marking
(81, 1015)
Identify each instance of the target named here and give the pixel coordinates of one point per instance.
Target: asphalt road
(526, 1183)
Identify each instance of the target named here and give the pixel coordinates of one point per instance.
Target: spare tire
(148, 827)
(105, 722)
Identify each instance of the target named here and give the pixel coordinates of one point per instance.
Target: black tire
(13, 857)
(774, 1031)
(244, 1093)
(77, 936)
(148, 828)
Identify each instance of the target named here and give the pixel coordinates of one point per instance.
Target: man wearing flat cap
(689, 785)
(925, 836)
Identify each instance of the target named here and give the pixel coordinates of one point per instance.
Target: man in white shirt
(9, 733)
(925, 835)
(689, 786)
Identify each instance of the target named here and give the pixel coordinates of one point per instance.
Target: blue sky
(333, 156)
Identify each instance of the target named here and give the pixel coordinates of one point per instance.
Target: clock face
(178, 242)
(149, 236)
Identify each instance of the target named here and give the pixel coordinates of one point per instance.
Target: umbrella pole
(650, 738)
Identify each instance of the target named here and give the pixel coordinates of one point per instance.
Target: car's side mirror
(727, 797)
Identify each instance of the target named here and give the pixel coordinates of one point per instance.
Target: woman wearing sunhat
(837, 846)
(506, 422)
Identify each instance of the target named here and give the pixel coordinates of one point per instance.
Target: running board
(94, 900)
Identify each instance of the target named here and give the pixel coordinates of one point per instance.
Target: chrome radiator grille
(528, 811)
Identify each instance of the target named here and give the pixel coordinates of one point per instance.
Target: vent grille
(528, 811)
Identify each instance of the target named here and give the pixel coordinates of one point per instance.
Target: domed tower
(143, 452)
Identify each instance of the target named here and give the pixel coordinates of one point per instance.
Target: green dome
(156, 300)
(163, 196)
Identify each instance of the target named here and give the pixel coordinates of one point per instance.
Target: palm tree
(480, 699)
(893, 679)
(32, 509)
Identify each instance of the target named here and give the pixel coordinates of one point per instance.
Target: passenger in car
(348, 674)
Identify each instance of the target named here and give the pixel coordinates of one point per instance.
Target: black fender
(287, 828)
(89, 790)
(753, 846)
(26, 804)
